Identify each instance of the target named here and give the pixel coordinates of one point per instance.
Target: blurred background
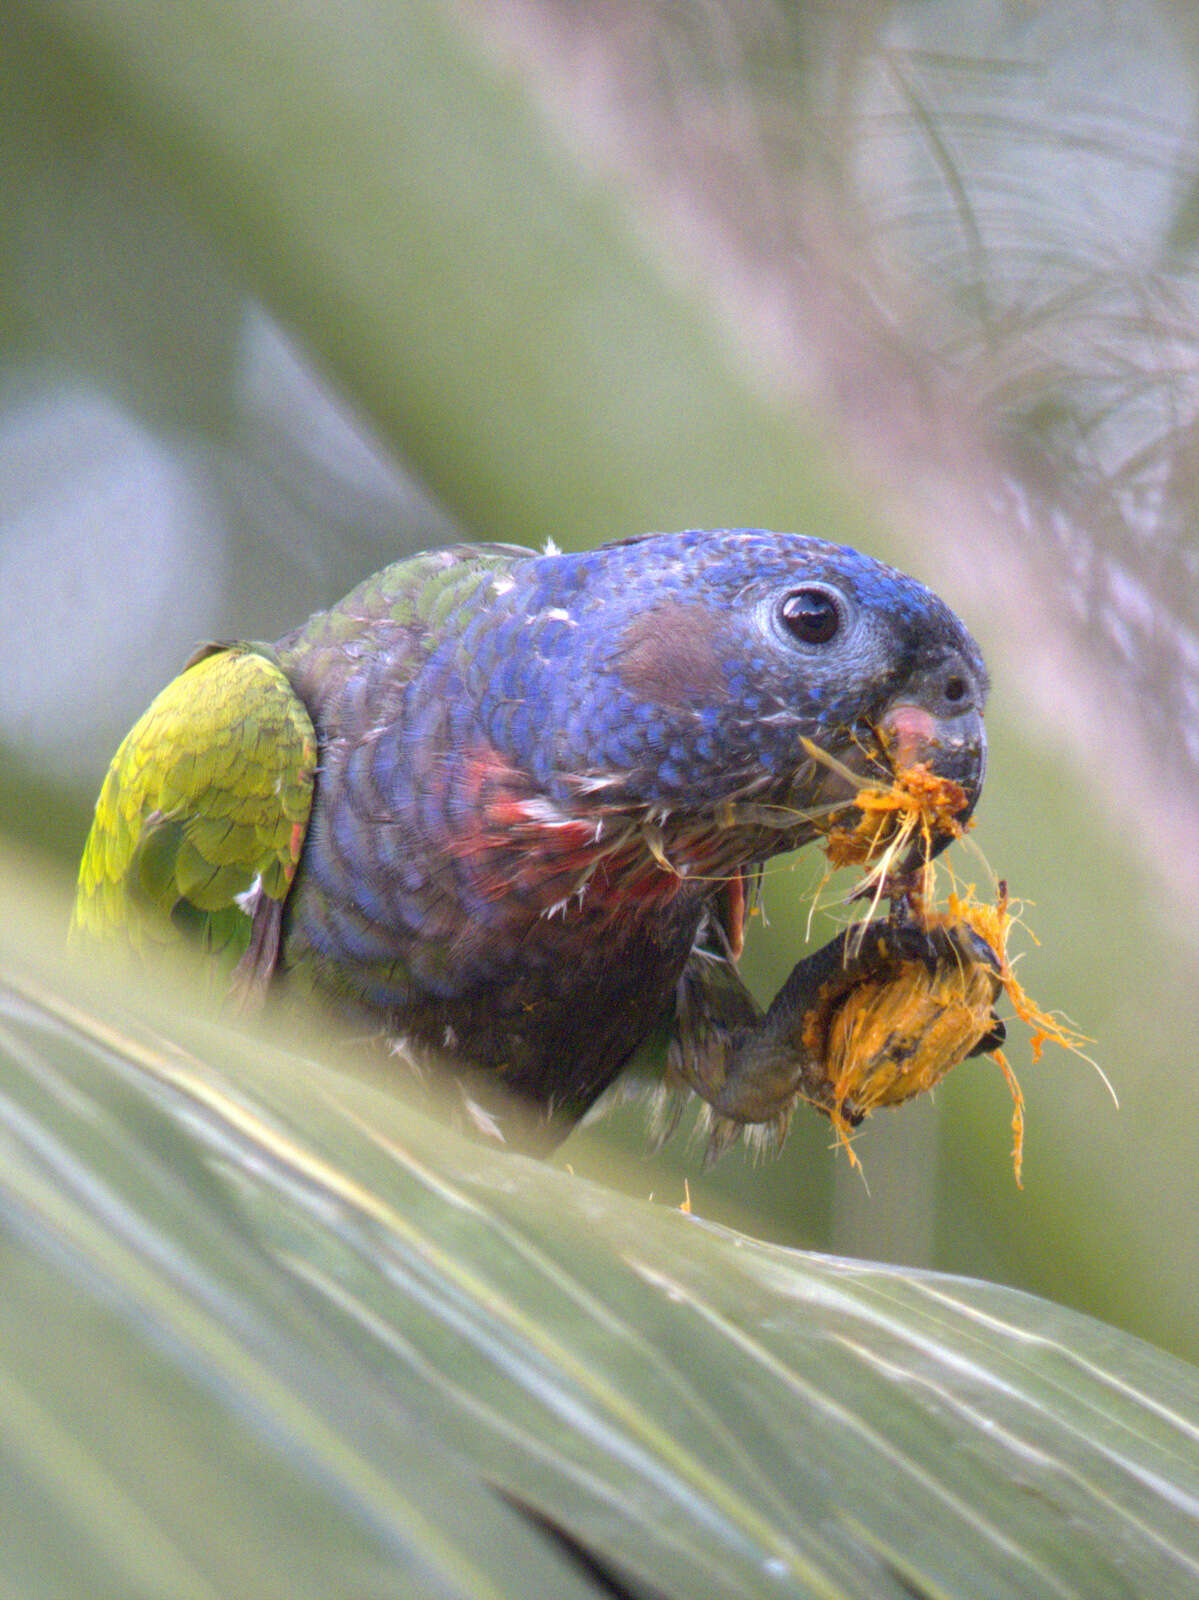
(286, 296)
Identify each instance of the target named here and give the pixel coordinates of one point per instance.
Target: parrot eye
(811, 615)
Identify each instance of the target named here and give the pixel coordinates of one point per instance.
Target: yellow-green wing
(203, 813)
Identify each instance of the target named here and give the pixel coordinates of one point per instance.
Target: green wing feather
(203, 813)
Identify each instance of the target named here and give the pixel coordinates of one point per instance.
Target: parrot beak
(951, 744)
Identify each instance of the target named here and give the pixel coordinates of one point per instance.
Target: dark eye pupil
(811, 615)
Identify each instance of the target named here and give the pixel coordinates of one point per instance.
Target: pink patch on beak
(910, 733)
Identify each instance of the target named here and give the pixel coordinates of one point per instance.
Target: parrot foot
(879, 1013)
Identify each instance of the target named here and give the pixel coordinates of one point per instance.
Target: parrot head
(760, 676)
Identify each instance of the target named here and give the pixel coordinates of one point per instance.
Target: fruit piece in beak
(950, 747)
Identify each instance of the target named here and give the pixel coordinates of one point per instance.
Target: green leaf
(177, 1420)
(264, 1328)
